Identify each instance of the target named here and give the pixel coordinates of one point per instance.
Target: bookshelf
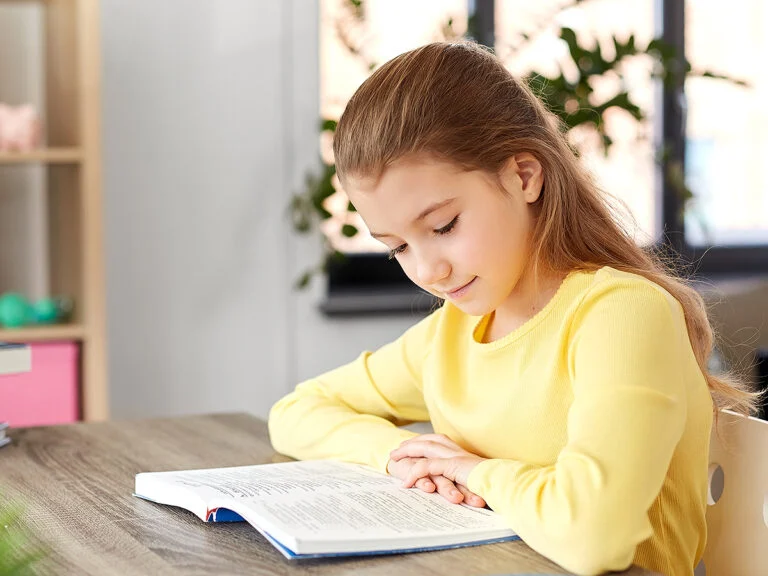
(46, 156)
(71, 159)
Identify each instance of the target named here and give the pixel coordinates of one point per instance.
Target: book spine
(3, 438)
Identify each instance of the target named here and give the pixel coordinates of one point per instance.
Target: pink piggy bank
(19, 128)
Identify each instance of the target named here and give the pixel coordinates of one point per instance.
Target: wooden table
(77, 482)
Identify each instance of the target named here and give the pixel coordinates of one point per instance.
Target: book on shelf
(15, 358)
(318, 508)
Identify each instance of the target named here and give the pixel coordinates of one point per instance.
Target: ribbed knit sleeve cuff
(384, 442)
(492, 477)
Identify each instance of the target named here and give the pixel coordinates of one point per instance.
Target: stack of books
(14, 359)
(3, 438)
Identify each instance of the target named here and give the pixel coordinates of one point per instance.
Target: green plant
(573, 101)
(16, 554)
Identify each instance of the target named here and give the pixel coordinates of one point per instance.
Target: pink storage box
(46, 395)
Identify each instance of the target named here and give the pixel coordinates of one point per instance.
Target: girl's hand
(432, 456)
(446, 488)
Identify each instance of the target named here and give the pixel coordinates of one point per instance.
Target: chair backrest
(737, 517)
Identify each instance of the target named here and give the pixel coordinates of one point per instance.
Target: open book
(324, 508)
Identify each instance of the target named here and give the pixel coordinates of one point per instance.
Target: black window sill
(378, 301)
(370, 284)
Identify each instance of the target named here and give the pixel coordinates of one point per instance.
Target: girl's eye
(448, 227)
(439, 231)
(399, 250)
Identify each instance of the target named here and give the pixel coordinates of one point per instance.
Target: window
(721, 152)
(727, 124)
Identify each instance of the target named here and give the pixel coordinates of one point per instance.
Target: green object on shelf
(46, 311)
(15, 310)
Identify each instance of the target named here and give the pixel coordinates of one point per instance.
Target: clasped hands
(434, 462)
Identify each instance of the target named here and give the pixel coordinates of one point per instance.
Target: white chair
(737, 515)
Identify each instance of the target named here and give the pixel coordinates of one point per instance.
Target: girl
(565, 375)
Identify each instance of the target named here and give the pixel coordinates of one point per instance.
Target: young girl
(565, 375)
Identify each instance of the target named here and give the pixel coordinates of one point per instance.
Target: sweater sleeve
(589, 510)
(352, 413)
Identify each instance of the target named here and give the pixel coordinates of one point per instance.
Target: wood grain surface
(76, 481)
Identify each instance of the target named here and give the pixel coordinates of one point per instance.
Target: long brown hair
(457, 102)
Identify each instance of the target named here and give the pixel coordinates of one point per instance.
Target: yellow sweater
(594, 416)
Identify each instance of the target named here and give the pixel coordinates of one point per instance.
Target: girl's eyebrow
(424, 213)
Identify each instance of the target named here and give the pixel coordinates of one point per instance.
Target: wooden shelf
(44, 155)
(43, 333)
(71, 209)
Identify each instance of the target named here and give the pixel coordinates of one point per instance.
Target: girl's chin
(472, 308)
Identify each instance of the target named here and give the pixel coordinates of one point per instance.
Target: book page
(394, 511)
(270, 480)
(326, 500)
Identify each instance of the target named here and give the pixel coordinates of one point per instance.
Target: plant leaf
(16, 554)
(348, 230)
(329, 125)
(569, 36)
(303, 280)
(621, 100)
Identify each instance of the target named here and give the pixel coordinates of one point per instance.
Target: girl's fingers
(419, 470)
(399, 469)
(423, 449)
(436, 438)
(470, 497)
(426, 484)
(431, 475)
(447, 489)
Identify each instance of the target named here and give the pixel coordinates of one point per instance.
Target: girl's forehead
(419, 173)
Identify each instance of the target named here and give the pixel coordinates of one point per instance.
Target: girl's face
(454, 233)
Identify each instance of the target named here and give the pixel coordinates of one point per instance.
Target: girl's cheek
(409, 269)
(469, 249)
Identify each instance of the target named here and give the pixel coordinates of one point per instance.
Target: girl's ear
(527, 169)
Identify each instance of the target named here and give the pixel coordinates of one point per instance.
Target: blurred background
(172, 236)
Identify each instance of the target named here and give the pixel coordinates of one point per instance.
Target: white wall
(210, 112)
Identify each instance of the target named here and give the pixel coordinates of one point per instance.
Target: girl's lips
(459, 292)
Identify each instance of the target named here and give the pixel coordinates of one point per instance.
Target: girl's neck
(528, 298)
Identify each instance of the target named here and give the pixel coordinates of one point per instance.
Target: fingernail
(455, 493)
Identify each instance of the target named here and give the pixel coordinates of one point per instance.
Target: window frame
(705, 262)
(366, 284)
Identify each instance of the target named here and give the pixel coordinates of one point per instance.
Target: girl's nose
(432, 271)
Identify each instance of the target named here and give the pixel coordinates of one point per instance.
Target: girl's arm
(630, 359)
(352, 413)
